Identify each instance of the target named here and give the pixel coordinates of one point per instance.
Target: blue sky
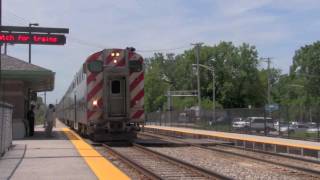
(276, 28)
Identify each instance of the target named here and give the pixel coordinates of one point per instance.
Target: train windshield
(95, 66)
(135, 66)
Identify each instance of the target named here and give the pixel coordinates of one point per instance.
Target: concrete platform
(39, 157)
(273, 144)
(56, 157)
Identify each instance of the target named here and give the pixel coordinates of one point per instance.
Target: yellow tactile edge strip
(102, 168)
(232, 136)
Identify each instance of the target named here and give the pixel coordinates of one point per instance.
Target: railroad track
(303, 165)
(155, 165)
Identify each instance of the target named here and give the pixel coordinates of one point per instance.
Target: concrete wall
(15, 94)
(5, 127)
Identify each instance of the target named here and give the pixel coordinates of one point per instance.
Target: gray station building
(19, 78)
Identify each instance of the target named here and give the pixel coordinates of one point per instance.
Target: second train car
(105, 100)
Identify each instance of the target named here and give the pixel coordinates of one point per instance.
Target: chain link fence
(5, 127)
(293, 122)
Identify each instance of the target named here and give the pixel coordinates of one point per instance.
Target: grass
(215, 127)
(304, 135)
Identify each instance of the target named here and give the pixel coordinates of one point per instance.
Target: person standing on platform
(30, 118)
(49, 119)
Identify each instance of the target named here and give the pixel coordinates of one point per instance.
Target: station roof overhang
(34, 77)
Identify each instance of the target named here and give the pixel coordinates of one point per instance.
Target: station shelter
(20, 81)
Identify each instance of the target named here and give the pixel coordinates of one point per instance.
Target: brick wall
(14, 94)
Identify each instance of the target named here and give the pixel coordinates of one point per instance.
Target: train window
(95, 66)
(115, 87)
(135, 66)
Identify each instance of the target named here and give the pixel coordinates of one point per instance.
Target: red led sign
(23, 38)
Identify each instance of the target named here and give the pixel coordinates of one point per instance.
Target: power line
(19, 17)
(23, 20)
(85, 43)
(16, 21)
(157, 50)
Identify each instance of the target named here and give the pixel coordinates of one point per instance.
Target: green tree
(306, 71)
(155, 86)
(237, 81)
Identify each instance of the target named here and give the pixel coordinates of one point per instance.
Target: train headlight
(95, 103)
(117, 54)
(115, 61)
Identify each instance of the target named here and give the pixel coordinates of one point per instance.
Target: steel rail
(205, 172)
(132, 164)
(195, 169)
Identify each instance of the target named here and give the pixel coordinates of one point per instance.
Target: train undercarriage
(108, 131)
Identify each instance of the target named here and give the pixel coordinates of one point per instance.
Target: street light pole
(197, 49)
(213, 93)
(30, 25)
(213, 89)
(213, 97)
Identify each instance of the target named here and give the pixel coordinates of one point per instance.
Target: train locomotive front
(105, 101)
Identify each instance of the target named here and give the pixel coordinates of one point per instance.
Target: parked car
(298, 127)
(260, 124)
(284, 126)
(311, 124)
(313, 128)
(239, 123)
(276, 125)
(294, 123)
(183, 117)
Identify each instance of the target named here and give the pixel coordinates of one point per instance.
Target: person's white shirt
(50, 115)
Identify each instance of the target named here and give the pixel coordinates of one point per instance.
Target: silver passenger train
(105, 100)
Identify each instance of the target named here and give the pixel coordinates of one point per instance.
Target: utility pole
(268, 60)
(197, 47)
(213, 91)
(269, 83)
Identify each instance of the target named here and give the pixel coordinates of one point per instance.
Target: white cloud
(236, 8)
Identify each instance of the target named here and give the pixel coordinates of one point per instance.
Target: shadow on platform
(40, 134)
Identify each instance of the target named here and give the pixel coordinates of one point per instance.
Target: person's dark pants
(31, 128)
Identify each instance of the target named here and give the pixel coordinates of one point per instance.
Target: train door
(117, 97)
